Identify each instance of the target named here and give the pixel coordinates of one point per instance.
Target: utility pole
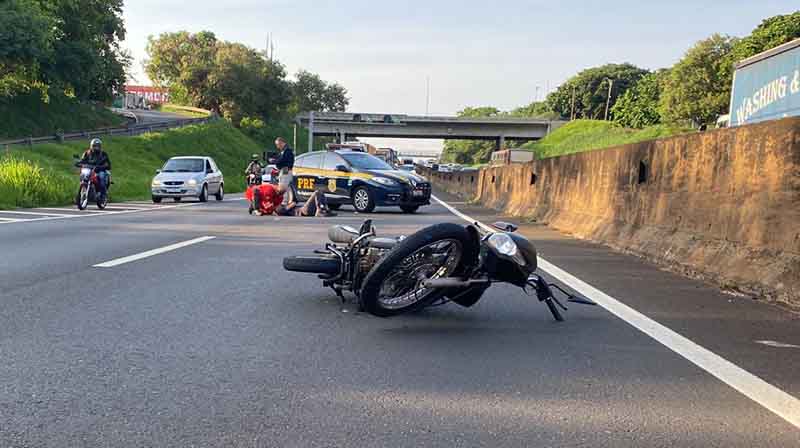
(536, 98)
(608, 99)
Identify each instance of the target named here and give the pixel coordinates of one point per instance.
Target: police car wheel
(363, 201)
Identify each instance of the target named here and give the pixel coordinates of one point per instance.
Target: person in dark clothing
(316, 205)
(285, 165)
(102, 163)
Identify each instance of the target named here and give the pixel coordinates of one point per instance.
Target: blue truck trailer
(767, 86)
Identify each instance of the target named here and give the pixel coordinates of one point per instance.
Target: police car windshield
(184, 166)
(363, 161)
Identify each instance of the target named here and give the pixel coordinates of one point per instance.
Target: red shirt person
(264, 198)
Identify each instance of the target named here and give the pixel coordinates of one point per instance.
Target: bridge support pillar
(501, 143)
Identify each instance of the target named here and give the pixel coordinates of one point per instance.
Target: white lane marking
(776, 344)
(150, 253)
(62, 209)
(779, 402)
(89, 215)
(9, 219)
(17, 212)
(122, 207)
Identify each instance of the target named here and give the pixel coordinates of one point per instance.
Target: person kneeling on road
(316, 205)
(264, 198)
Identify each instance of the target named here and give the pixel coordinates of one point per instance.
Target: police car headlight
(386, 181)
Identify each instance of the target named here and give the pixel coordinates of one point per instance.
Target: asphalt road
(212, 344)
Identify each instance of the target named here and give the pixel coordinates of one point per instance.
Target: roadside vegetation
(186, 111)
(45, 175)
(635, 104)
(587, 135)
(28, 115)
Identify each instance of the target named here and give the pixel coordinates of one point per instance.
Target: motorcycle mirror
(505, 226)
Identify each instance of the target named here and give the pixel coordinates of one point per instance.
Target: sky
(499, 53)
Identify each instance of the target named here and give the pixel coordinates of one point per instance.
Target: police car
(359, 179)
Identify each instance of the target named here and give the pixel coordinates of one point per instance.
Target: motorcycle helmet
(255, 157)
(96, 143)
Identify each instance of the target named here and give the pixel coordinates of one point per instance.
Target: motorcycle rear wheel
(394, 285)
(320, 264)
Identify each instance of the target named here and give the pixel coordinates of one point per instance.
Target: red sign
(150, 93)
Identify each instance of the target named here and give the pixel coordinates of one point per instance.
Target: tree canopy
(590, 89)
(638, 107)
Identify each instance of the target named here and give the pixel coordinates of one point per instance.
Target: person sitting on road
(316, 205)
(264, 198)
(99, 159)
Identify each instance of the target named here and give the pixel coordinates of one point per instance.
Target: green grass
(27, 115)
(134, 161)
(587, 135)
(189, 112)
(26, 184)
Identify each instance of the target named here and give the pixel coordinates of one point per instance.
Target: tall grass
(25, 184)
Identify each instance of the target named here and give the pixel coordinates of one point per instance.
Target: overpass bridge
(348, 125)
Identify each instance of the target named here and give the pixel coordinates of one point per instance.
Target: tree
(696, 89)
(470, 151)
(770, 33)
(183, 62)
(638, 107)
(589, 90)
(26, 42)
(312, 93)
(536, 109)
(87, 59)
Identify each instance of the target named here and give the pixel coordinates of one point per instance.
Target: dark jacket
(286, 159)
(99, 160)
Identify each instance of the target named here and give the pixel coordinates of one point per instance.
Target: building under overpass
(346, 125)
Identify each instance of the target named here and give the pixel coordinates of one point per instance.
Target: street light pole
(608, 99)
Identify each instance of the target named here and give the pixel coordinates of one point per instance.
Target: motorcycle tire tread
(369, 291)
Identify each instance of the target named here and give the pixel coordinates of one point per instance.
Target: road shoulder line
(152, 252)
(770, 397)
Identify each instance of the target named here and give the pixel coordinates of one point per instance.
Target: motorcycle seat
(342, 234)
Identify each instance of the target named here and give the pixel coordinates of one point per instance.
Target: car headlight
(192, 182)
(156, 183)
(505, 245)
(385, 181)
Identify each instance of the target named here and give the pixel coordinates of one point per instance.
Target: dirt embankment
(722, 205)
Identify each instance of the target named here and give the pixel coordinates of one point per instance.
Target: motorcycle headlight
(192, 182)
(385, 181)
(505, 245)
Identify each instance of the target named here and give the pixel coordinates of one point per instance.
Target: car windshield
(363, 161)
(184, 166)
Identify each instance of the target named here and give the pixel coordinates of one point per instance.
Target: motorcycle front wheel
(394, 285)
(83, 197)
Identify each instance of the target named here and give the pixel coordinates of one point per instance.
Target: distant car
(188, 177)
(446, 168)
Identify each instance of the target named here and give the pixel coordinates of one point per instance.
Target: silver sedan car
(188, 177)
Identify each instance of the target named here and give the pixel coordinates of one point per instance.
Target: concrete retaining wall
(722, 205)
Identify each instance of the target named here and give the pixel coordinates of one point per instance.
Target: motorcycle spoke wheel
(403, 286)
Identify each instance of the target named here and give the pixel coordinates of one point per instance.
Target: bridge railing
(130, 130)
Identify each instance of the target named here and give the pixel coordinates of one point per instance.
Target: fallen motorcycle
(439, 264)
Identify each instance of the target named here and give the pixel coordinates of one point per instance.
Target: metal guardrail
(133, 129)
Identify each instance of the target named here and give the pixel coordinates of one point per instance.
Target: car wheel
(221, 193)
(203, 194)
(363, 201)
(157, 199)
(409, 208)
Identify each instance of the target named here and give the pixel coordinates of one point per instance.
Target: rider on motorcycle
(255, 166)
(99, 158)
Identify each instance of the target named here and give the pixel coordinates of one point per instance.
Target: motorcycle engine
(369, 258)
